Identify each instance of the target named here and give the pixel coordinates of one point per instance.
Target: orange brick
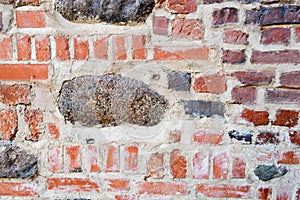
(30, 19)
(138, 45)
(264, 193)
(42, 48)
(18, 189)
(131, 159)
(15, 94)
(112, 158)
(197, 53)
(73, 158)
(117, 185)
(8, 124)
(163, 188)
(23, 47)
(92, 158)
(23, 72)
(204, 137)
(287, 157)
(55, 159)
(33, 119)
(53, 131)
(62, 48)
(100, 48)
(220, 165)
(119, 48)
(73, 184)
(5, 48)
(178, 164)
(201, 165)
(238, 168)
(126, 197)
(155, 166)
(224, 191)
(81, 48)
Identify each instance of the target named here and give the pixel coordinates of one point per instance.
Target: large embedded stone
(110, 100)
(111, 11)
(268, 172)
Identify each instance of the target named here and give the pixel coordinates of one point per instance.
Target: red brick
(30, 19)
(155, 166)
(175, 136)
(53, 131)
(42, 48)
(117, 185)
(160, 4)
(250, 78)
(23, 71)
(8, 124)
(244, 95)
(275, 35)
(1, 23)
(220, 165)
(126, 197)
(233, 57)
(163, 188)
(287, 157)
(160, 25)
(131, 158)
(187, 28)
(283, 192)
(55, 159)
(281, 96)
(119, 48)
(275, 57)
(264, 156)
(205, 137)
(201, 165)
(264, 193)
(73, 158)
(182, 6)
(23, 47)
(81, 48)
(112, 158)
(5, 48)
(297, 31)
(18, 189)
(235, 37)
(33, 119)
(62, 48)
(178, 164)
(225, 15)
(238, 167)
(290, 79)
(15, 94)
(295, 137)
(224, 191)
(196, 53)
(92, 161)
(100, 48)
(267, 138)
(139, 47)
(258, 118)
(214, 83)
(287, 118)
(298, 194)
(73, 184)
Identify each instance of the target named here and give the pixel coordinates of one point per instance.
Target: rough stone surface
(111, 11)
(196, 108)
(268, 172)
(110, 100)
(179, 81)
(245, 137)
(16, 163)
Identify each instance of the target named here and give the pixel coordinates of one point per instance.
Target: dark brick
(253, 16)
(282, 96)
(1, 23)
(233, 57)
(276, 35)
(254, 77)
(244, 137)
(287, 118)
(225, 15)
(290, 79)
(276, 57)
(267, 138)
(212, 1)
(198, 108)
(295, 137)
(179, 81)
(268, 172)
(244, 95)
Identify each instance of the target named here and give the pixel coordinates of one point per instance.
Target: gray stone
(179, 81)
(268, 172)
(197, 108)
(245, 137)
(110, 100)
(111, 11)
(16, 163)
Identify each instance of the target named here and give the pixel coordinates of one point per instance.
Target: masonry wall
(230, 73)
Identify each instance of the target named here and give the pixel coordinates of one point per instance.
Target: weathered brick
(290, 79)
(73, 158)
(295, 137)
(298, 193)
(275, 57)
(275, 35)
(267, 138)
(23, 47)
(244, 95)
(27, 2)
(225, 15)
(112, 158)
(182, 7)
(81, 48)
(251, 78)
(235, 37)
(164, 188)
(73, 184)
(33, 119)
(187, 28)
(139, 47)
(244, 137)
(264, 156)
(220, 165)
(184, 53)
(15, 94)
(155, 166)
(283, 192)
(23, 71)
(281, 96)
(264, 193)
(205, 137)
(100, 47)
(6, 51)
(119, 48)
(117, 185)
(62, 47)
(175, 136)
(212, 1)
(42, 48)
(6, 1)
(30, 19)
(197, 108)
(238, 167)
(179, 81)
(126, 197)
(258, 118)
(131, 158)
(233, 57)
(24, 189)
(1, 23)
(224, 191)
(8, 124)
(287, 157)
(214, 83)
(160, 25)
(53, 131)
(178, 164)
(297, 34)
(55, 159)
(91, 158)
(201, 165)
(287, 118)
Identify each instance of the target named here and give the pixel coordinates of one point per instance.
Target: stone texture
(16, 163)
(245, 137)
(110, 100)
(197, 108)
(111, 11)
(268, 172)
(179, 81)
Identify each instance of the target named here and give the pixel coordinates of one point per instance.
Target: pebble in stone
(111, 11)
(199, 108)
(16, 163)
(110, 100)
(268, 172)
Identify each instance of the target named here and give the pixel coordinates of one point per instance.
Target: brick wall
(229, 70)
